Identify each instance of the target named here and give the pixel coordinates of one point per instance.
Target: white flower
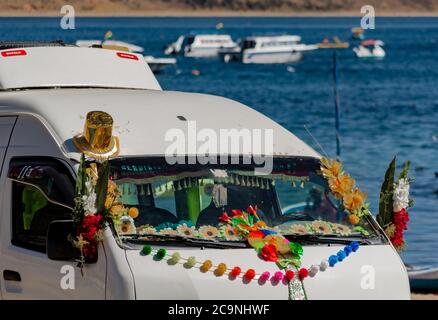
(401, 195)
(89, 203)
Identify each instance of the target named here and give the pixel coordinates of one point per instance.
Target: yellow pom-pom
(133, 212)
(220, 270)
(175, 258)
(206, 265)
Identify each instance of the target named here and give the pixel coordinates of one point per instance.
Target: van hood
(373, 272)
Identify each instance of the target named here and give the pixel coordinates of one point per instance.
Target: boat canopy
(48, 67)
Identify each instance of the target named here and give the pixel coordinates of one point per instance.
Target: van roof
(25, 66)
(142, 118)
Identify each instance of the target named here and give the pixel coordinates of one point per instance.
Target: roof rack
(27, 44)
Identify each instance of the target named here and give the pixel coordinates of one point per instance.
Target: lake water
(388, 107)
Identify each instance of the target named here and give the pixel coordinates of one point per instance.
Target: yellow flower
(146, 230)
(186, 231)
(353, 201)
(112, 194)
(341, 185)
(341, 229)
(321, 227)
(208, 232)
(117, 210)
(331, 168)
(298, 229)
(169, 232)
(229, 233)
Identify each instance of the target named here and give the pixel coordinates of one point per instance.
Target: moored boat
(370, 49)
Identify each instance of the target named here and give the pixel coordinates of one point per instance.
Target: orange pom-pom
(133, 212)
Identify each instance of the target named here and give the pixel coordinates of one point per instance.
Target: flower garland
(250, 274)
(394, 202)
(344, 189)
(269, 244)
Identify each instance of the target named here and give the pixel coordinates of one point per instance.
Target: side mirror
(59, 246)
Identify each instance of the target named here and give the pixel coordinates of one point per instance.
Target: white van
(45, 93)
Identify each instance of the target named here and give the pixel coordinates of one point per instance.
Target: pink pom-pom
(264, 276)
(278, 276)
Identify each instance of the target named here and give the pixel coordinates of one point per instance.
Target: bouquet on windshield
(394, 203)
(270, 245)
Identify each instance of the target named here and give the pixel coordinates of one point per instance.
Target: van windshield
(188, 200)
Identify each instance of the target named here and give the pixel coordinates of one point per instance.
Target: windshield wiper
(185, 240)
(313, 238)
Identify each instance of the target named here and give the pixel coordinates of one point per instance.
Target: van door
(6, 126)
(26, 271)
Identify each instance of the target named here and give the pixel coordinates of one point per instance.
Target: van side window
(34, 182)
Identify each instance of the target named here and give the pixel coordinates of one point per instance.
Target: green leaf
(102, 186)
(404, 173)
(81, 178)
(386, 194)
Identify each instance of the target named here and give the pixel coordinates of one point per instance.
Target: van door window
(42, 191)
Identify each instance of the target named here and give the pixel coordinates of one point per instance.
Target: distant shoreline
(216, 13)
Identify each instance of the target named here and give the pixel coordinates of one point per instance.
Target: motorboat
(370, 49)
(268, 49)
(156, 64)
(200, 45)
(423, 278)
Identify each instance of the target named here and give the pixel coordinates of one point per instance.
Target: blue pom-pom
(348, 250)
(341, 255)
(354, 246)
(332, 260)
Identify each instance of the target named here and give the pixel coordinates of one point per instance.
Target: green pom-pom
(161, 254)
(147, 249)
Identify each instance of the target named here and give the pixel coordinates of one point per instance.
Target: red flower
(289, 275)
(269, 253)
(303, 273)
(224, 218)
(249, 274)
(237, 213)
(252, 210)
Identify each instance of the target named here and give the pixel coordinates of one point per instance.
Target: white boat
(269, 49)
(370, 49)
(158, 64)
(201, 45)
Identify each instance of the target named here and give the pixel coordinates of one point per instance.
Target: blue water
(388, 107)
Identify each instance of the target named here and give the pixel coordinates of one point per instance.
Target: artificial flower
(332, 260)
(117, 210)
(264, 276)
(89, 203)
(269, 253)
(224, 218)
(278, 276)
(191, 261)
(330, 168)
(321, 227)
(298, 229)
(313, 270)
(303, 273)
(289, 275)
(354, 200)
(252, 210)
(127, 225)
(112, 194)
(401, 194)
(353, 219)
(237, 213)
(133, 212)
(235, 272)
(186, 231)
(168, 232)
(146, 230)
(161, 253)
(206, 266)
(341, 185)
(341, 229)
(281, 243)
(229, 233)
(323, 265)
(147, 249)
(249, 274)
(260, 224)
(208, 232)
(296, 248)
(220, 270)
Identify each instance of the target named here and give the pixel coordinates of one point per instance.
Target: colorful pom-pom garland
(250, 274)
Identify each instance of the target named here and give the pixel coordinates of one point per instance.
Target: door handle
(10, 275)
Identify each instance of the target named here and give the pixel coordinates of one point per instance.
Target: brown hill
(218, 7)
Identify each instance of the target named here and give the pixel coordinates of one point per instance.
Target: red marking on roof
(13, 53)
(125, 55)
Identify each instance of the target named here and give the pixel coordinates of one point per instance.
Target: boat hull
(271, 57)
